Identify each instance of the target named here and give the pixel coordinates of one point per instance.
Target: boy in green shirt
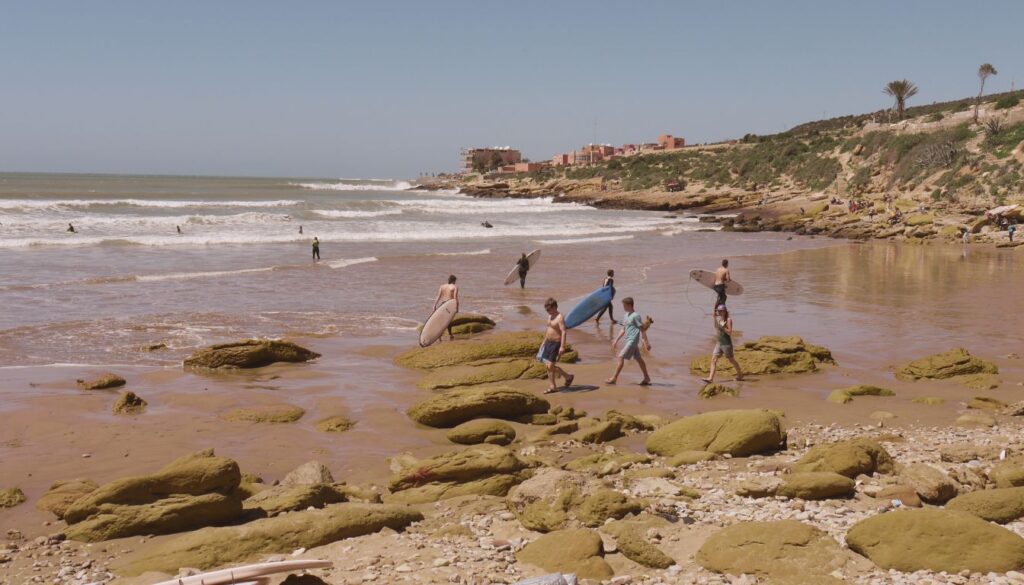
(633, 330)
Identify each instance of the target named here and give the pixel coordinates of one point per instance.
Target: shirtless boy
(446, 292)
(722, 276)
(554, 346)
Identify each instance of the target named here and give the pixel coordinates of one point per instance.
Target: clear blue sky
(389, 89)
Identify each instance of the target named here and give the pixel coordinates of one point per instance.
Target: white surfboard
(513, 275)
(708, 279)
(247, 573)
(437, 322)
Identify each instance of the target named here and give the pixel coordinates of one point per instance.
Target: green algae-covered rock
(737, 432)
(62, 494)
(266, 413)
(606, 463)
(11, 497)
(470, 323)
(632, 543)
(715, 390)
(129, 403)
(850, 458)
(478, 470)
(771, 355)
(578, 551)
(816, 485)
(955, 362)
(213, 547)
(488, 373)
(1008, 473)
(519, 345)
(929, 400)
(554, 499)
(280, 499)
(335, 424)
(1000, 505)
(473, 432)
(779, 548)
(102, 382)
(690, 457)
(601, 432)
(844, 395)
(930, 539)
(986, 403)
(460, 405)
(176, 513)
(250, 353)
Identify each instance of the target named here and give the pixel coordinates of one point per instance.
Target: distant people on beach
(316, 248)
(554, 346)
(446, 292)
(486, 224)
(524, 267)
(723, 343)
(722, 276)
(71, 228)
(633, 330)
(609, 281)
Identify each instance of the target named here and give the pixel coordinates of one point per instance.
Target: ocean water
(240, 267)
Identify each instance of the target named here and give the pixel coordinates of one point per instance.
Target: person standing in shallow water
(610, 282)
(722, 276)
(447, 292)
(723, 344)
(316, 249)
(524, 267)
(71, 228)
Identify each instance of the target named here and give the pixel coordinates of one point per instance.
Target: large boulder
(782, 548)
(265, 413)
(601, 432)
(1000, 505)
(736, 432)
(555, 499)
(771, 355)
(850, 458)
(578, 551)
(816, 485)
(516, 345)
(280, 499)
(955, 362)
(458, 406)
(102, 382)
(11, 497)
(478, 470)
(929, 539)
(478, 431)
(175, 513)
(1008, 473)
(212, 547)
(250, 353)
(62, 494)
(931, 484)
(488, 373)
(631, 541)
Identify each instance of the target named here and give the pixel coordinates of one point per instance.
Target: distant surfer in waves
(71, 228)
(554, 346)
(722, 276)
(608, 281)
(178, 227)
(486, 224)
(316, 249)
(524, 267)
(723, 343)
(633, 331)
(446, 292)
(300, 230)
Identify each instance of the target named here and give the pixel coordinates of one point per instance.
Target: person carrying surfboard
(722, 276)
(446, 292)
(524, 267)
(609, 281)
(554, 346)
(633, 330)
(723, 343)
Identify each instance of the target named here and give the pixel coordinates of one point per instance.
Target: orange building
(493, 157)
(669, 142)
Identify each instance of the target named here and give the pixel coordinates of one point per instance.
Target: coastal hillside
(932, 174)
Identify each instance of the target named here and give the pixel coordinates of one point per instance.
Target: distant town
(508, 160)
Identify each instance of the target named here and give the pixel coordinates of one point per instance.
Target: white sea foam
(345, 213)
(83, 204)
(349, 185)
(472, 253)
(350, 262)
(584, 240)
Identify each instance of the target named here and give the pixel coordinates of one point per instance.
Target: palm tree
(901, 90)
(984, 71)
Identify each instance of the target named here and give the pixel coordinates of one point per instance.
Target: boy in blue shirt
(633, 330)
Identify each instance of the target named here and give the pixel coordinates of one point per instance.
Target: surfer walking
(524, 266)
(633, 330)
(446, 292)
(554, 346)
(723, 343)
(722, 276)
(609, 281)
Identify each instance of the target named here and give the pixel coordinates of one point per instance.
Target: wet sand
(873, 305)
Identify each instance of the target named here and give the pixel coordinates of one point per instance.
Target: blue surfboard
(589, 306)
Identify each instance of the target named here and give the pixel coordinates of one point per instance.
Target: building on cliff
(489, 158)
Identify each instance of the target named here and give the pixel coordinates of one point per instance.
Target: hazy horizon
(394, 89)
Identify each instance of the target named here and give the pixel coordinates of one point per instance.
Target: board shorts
(549, 351)
(630, 352)
(721, 350)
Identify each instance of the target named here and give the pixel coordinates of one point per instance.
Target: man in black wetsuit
(608, 281)
(524, 267)
(316, 248)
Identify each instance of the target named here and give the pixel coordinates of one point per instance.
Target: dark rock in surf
(250, 353)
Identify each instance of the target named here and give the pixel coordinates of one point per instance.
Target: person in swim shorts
(633, 330)
(446, 292)
(722, 276)
(723, 343)
(554, 346)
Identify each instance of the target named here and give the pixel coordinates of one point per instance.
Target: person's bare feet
(706, 380)
(551, 391)
(646, 382)
(568, 380)
(610, 382)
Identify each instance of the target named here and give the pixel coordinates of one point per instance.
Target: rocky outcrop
(309, 473)
(129, 403)
(955, 362)
(850, 458)
(335, 424)
(555, 499)
(816, 485)
(578, 551)
(191, 492)
(783, 548)
(771, 355)
(470, 323)
(488, 373)
(102, 382)
(1008, 473)
(11, 497)
(600, 432)
(212, 547)
(266, 413)
(250, 353)
(606, 463)
(631, 542)
(62, 494)
(844, 395)
(936, 540)
(489, 348)
(478, 431)
(478, 470)
(458, 406)
(736, 432)
(280, 499)
(931, 484)
(1000, 505)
